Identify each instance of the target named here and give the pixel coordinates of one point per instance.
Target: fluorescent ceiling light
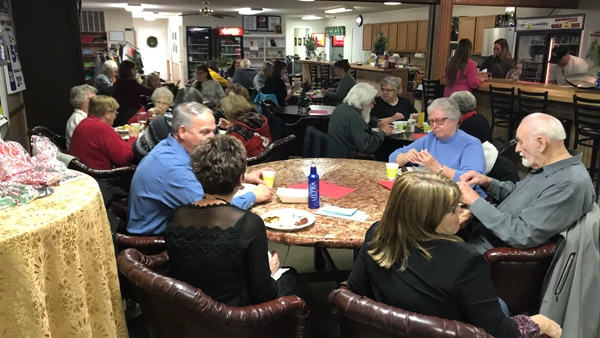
(306, 0)
(133, 8)
(250, 11)
(311, 17)
(150, 16)
(510, 9)
(392, 3)
(339, 10)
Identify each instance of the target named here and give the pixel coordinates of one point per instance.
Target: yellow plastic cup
(269, 178)
(391, 170)
(426, 127)
(421, 120)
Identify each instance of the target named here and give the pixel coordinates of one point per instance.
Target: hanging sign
(15, 82)
(551, 23)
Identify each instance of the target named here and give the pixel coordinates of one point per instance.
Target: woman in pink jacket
(461, 72)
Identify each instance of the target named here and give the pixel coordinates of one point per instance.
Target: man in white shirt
(80, 100)
(565, 64)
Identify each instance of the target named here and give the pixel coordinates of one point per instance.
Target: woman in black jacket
(275, 85)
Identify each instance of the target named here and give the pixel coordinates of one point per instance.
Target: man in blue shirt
(164, 179)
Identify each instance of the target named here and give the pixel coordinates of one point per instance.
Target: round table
(58, 274)
(329, 232)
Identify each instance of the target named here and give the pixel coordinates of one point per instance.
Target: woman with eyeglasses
(413, 260)
(94, 140)
(390, 106)
(446, 150)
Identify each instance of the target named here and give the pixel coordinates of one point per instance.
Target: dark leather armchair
(59, 141)
(277, 151)
(363, 317)
(518, 275)
(148, 245)
(120, 177)
(174, 309)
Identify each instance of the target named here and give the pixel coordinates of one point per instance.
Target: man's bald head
(544, 124)
(539, 139)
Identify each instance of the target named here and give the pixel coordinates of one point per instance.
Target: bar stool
(314, 76)
(502, 102)
(431, 90)
(326, 78)
(587, 124)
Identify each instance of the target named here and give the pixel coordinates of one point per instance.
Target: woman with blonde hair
(94, 140)
(238, 89)
(413, 260)
(243, 122)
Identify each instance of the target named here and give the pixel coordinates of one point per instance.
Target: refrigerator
(229, 42)
(199, 47)
(537, 36)
(492, 34)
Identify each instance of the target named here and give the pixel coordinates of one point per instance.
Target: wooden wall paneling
(367, 43)
(393, 37)
(483, 22)
(402, 42)
(422, 30)
(411, 35)
(441, 39)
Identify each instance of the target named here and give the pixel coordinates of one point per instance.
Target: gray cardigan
(350, 130)
(346, 83)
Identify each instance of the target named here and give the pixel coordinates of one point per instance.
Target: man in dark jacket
(349, 124)
(341, 69)
(245, 75)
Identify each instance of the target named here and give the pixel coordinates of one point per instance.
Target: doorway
(154, 58)
(357, 54)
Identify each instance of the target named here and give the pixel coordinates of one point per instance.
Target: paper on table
(326, 189)
(388, 184)
(318, 112)
(359, 216)
(418, 136)
(339, 211)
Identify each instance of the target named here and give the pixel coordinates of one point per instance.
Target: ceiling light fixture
(311, 17)
(391, 3)
(306, 0)
(150, 16)
(339, 10)
(250, 11)
(134, 8)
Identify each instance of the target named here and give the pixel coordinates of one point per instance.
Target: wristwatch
(441, 169)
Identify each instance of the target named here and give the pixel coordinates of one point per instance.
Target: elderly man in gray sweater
(553, 196)
(341, 69)
(349, 124)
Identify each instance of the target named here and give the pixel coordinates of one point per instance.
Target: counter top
(357, 67)
(555, 92)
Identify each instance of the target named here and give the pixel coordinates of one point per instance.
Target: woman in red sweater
(243, 122)
(94, 140)
(461, 72)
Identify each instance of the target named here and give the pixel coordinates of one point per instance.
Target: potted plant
(311, 46)
(379, 47)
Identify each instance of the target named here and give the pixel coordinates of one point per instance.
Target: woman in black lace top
(217, 247)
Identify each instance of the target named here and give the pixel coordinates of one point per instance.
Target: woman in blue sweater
(446, 149)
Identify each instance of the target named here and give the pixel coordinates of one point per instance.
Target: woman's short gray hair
(162, 92)
(79, 95)
(465, 100)
(360, 95)
(110, 64)
(267, 65)
(218, 163)
(393, 81)
(188, 94)
(184, 113)
(446, 106)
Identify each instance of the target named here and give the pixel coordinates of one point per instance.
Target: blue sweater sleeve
(417, 145)
(245, 201)
(472, 158)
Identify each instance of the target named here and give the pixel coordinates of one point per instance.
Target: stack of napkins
(351, 214)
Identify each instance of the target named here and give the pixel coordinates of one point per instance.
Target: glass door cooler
(199, 48)
(229, 43)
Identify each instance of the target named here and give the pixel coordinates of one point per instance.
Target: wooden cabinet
(367, 42)
(422, 30)
(393, 36)
(401, 41)
(384, 28)
(411, 33)
(483, 22)
(466, 28)
(375, 34)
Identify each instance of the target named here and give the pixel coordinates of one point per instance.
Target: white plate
(247, 187)
(287, 219)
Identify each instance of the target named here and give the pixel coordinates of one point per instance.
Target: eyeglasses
(156, 103)
(439, 122)
(387, 90)
(114, 112)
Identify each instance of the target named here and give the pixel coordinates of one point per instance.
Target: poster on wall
(260, 23)
(592, 51)
(551, 23)
(319, 39)
(15, 82)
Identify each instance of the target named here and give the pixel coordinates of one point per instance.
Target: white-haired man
(80, 100)
(553, 196)
(245, 75)
(349, 124)
(104, 81)
(260, 78)
(164, 180)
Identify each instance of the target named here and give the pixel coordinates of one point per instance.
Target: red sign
(231, 31)
(338, 41)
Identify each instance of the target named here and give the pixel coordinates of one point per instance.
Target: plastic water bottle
(313, 188)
